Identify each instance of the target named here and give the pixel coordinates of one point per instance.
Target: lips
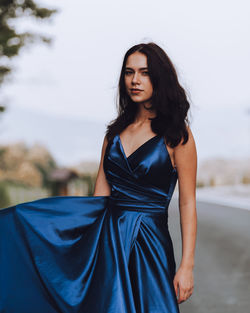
(135, 91)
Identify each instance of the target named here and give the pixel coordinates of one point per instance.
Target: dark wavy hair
(169, 99)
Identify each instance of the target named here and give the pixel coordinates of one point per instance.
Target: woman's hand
(183, 284)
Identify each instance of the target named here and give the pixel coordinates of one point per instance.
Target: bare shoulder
(186, 154)
(190, 144)
(104, 143)
(105, 140)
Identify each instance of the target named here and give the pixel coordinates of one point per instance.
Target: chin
(138, 99)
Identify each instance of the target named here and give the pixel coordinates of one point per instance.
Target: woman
(112, 253)
(152, 101)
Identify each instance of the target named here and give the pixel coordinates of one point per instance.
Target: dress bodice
(147, 175)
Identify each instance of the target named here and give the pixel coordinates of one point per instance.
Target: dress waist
(154, 206)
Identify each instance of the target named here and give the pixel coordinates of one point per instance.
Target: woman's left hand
(183, 284)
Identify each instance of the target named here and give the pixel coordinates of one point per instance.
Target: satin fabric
(106, 254)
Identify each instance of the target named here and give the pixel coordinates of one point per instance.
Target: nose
(135, 79)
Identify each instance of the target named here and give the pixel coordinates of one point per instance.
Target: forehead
(137, 60)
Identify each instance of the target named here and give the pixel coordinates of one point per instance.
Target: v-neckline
(136, 150)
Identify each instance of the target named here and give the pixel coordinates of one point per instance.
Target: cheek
(126, 81)
(149, 86)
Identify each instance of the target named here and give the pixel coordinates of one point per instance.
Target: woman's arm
(186, 162)
(102, 187)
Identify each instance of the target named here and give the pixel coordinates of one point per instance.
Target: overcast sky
(75, 80)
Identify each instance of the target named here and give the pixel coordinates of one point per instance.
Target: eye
(128, 72)
(145, 73)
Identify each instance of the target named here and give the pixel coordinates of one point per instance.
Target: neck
(143, 114)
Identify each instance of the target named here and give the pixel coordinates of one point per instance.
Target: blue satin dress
(104, 254)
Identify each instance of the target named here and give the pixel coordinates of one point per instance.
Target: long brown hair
(169, 99)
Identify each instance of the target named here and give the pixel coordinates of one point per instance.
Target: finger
(188, 295)
(190, 291)
(181, 294)
(185, 294)
(176, 288)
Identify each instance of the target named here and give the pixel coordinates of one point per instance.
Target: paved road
(222, 260)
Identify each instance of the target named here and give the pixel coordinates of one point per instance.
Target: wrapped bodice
(145, 178)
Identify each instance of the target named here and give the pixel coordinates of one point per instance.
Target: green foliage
(37, 158)
(2, 151)
(12, 41)
(4, 197)
(17, 192)
(45, 172)
(90, 180)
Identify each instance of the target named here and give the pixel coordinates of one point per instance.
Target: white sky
(76, 78)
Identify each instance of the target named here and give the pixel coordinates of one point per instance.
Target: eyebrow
(141, 68)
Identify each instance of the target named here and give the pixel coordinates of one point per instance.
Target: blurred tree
(4, 197)
(12, 41)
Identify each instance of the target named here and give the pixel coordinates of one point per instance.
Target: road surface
(222, 259)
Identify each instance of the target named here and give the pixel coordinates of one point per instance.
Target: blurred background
(59, 67)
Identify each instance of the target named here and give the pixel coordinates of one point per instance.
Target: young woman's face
(137, 80)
